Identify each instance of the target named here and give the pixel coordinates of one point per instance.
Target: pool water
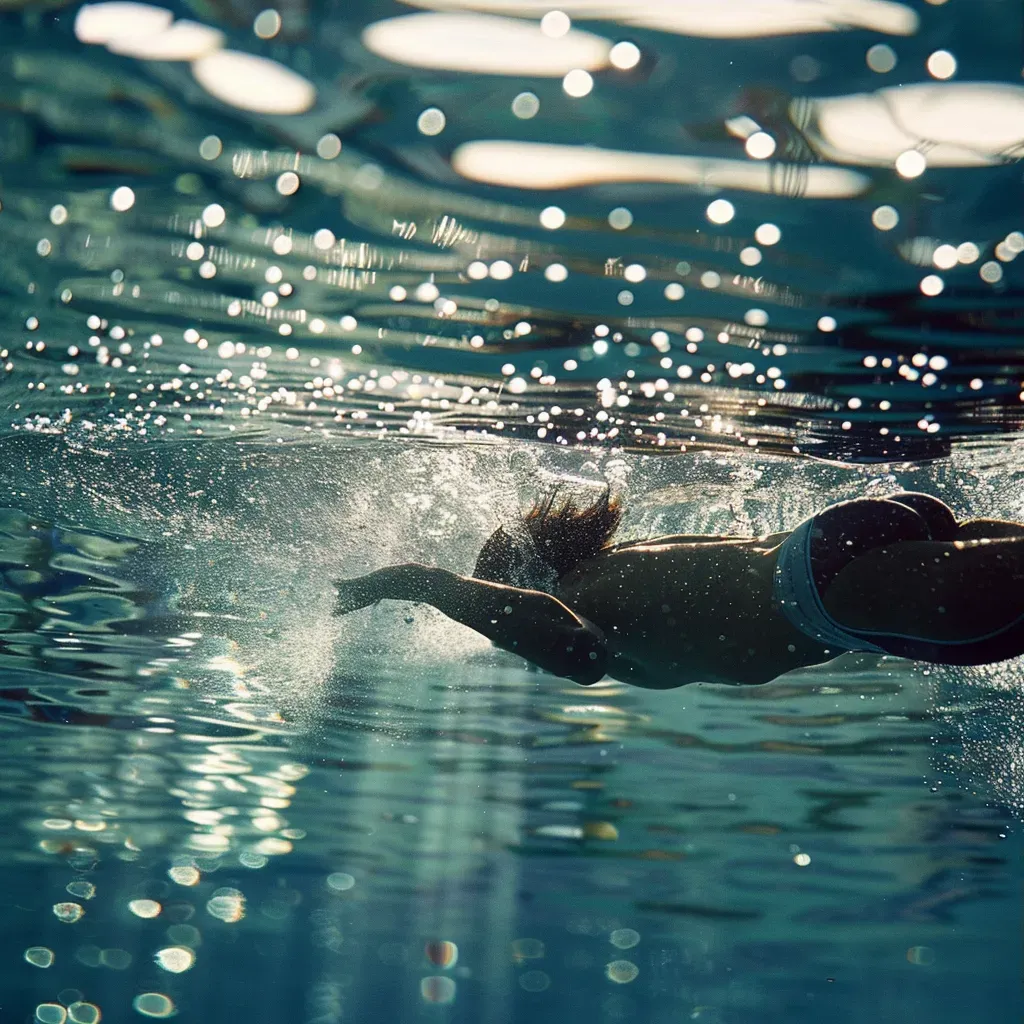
(272, 323)
(215, 793)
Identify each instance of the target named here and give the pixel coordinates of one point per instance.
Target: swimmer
(898, 575)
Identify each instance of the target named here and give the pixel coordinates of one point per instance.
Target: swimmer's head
(550, 540)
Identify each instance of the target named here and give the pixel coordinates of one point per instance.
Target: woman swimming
(896, 575)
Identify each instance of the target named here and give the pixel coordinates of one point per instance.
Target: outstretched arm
(534, 625)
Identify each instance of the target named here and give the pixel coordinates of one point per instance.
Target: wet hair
(549, 541)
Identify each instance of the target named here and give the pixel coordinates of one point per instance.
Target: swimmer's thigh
(931, 591)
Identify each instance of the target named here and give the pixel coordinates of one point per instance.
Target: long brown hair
(559, 532)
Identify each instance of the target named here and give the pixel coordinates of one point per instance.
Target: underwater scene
(325, 324)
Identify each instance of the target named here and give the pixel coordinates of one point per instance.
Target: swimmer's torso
(675, 613)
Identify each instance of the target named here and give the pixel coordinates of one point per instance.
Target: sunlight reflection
(547, 165)
(716, 18)
(961, 124)
(484, 44)
(253, 83)
(242, 80)
(106, 22)
(183, 41)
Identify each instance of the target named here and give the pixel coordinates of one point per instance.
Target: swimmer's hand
(408, 582)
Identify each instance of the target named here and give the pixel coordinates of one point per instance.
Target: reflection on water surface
(251, 225)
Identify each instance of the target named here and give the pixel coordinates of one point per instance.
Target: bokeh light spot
(885, 218)
(431, 121)
(227, 905)
(624, 55)
(525, 106)
(437, 989)
(122, 198)
(578, 83)
(768, 234)
(287, 184)
(116, 959)
(184, 874)
(267, 24)
(144, 908)
(153, 1004)
(552, 217)
(760, 146)
(442, 953)
(620, 218)
(911, 163)
(624, 938)
(942, 65)
(991, 272)
(214, 215)
(328, 146)
(881, 58)
(720, 211)
(555, 24)
(175, 959)
(84, 1013)
(69, 913)
(622, 972)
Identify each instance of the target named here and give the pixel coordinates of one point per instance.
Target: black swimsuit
(820, 548)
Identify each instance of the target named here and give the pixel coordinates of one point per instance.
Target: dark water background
(195, 441)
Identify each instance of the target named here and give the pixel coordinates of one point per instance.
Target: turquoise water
(257, 338)
(307, 803)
